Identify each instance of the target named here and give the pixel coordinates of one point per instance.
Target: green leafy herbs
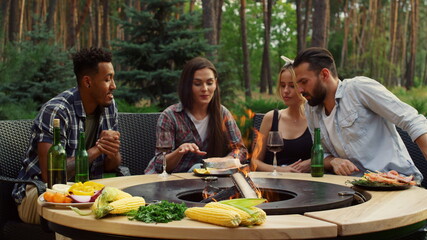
(162, 212)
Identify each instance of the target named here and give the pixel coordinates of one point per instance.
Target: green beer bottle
(81, 158)
(56, 158)
(317, 168)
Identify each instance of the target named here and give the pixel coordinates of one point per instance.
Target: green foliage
(158, 48)
(283, 39)
(419, 104)
(24, 109)
(123, 106)
(258, 105)
(416, 97)
(31, 73)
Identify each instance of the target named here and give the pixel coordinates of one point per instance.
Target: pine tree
(161, 39)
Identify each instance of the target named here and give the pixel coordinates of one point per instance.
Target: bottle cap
(56, 122)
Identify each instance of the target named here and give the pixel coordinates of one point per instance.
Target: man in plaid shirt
(89, 107)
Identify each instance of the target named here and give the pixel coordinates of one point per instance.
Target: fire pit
(285, 196)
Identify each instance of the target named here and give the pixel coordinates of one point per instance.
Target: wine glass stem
(164, 162)
(274, 162)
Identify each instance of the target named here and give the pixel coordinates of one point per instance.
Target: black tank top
(294, 149)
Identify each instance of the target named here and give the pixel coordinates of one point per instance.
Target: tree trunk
(246, 67)
(361, 45)
(393, 32)
(21, 20)
(5, 5)
(105, 24)
(300, 28)
(82, 17)
(319, 23)
(51, 14)
(14, 20)
(265, 65)
(404, 44)
(209, 22)
(71, 34)
(410, 70)
(192, 5)
(346, 30)
(308, 8)
(218, 12)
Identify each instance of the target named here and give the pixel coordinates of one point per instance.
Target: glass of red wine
(274, 144)
(164, 145)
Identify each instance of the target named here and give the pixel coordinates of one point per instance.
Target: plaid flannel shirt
(68, 107)
(176, 120)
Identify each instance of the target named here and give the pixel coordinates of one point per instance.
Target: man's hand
(109, 143)
(343, 166)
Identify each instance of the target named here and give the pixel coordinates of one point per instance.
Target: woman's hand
(302, 166)
(290, 168)
(190, 147)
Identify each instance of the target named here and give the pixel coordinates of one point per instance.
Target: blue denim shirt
(366, 115)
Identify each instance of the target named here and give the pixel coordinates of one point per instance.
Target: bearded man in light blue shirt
(357, 119)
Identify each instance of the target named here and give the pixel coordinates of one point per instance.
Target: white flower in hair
(287, 60)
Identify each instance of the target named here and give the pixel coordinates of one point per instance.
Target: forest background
(152, 39)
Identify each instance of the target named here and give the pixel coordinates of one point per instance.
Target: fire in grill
(284, 196)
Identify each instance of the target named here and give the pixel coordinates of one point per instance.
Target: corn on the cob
(216, 216)
(259, 215)
(246, 218)
(125, 205)
(121, 195)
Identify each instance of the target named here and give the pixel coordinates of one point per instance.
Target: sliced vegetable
(61, 188)
(81, 198)
(88, 188)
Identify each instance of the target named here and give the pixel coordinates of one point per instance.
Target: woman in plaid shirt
(199, 125)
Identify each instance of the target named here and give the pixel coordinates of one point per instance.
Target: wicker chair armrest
(40, 185)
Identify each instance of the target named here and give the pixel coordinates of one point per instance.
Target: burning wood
(243, 187)
(222, 195)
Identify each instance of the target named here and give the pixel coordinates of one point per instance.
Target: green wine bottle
(56, 158)
(317, 167)
(81, 158)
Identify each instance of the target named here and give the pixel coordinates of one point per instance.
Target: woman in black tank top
(292, 125)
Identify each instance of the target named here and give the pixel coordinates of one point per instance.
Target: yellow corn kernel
(259, 215)
(125, 205)
(121, 195)
(246, 218)
(216, 216)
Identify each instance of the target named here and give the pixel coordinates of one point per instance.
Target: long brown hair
(218, 143)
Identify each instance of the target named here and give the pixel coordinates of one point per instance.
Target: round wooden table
(386, 210)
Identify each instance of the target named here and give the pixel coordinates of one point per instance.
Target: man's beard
(318, 96)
